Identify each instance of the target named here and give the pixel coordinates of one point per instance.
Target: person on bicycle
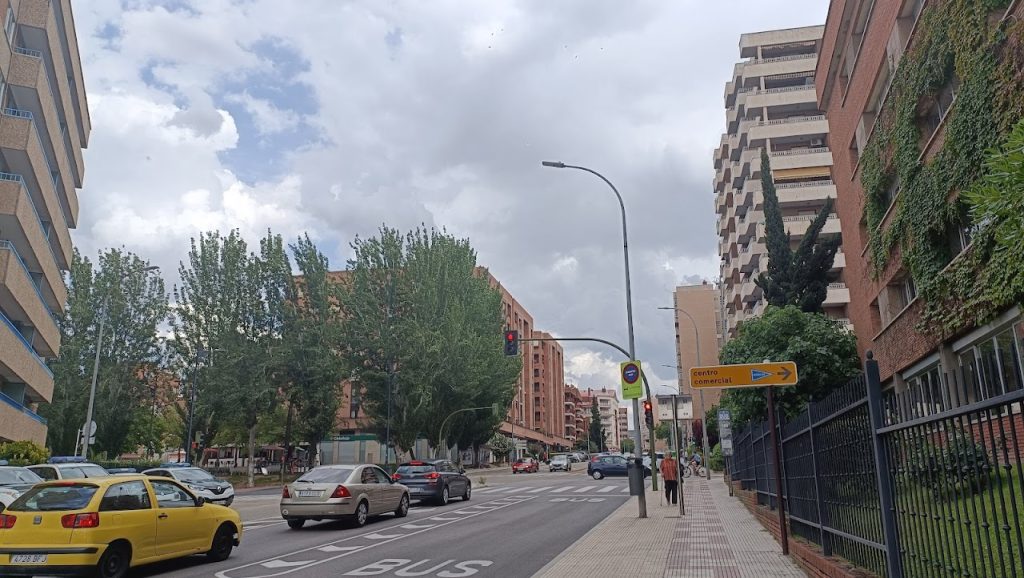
(695, 463)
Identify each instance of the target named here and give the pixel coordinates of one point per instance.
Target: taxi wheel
(223, 542)
(115, 562)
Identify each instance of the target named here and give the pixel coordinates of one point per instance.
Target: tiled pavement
(717, 538)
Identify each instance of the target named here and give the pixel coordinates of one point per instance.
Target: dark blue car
(601, 466)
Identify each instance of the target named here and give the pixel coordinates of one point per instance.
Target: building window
(993, 366)
(353, 411)
(536, 386)
(936, 108)
(891, 192)
(10, 25)
(895, 298)
(928, 391)
(536, 372)
(536, 358)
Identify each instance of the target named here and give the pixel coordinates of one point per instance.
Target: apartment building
(44, 125)
(608, 408)
(865, 46)
(771, 104)
(699, 330)
(577, 415)
(548, 389)
(623, 423)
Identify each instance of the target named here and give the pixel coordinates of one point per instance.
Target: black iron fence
(926, 481)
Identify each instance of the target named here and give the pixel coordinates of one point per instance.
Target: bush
(716, 462)
(960, 464)
(23, 453)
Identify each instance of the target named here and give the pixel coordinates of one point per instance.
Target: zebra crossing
(600, 490)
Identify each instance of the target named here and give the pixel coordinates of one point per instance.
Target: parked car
(525, 465)
(601, 466)
(434, 480)
(647, 459)
(339, 492)
(15, 481)
(201, 482)
(68, 468)
(104, 526)
(560, 463)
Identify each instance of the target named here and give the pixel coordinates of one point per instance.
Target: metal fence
(926, 481)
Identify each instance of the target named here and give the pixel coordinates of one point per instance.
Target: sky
(334, 117)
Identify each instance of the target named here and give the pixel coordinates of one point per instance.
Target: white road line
(482, 490)
(606, 490)
(585, 489)
(506, 490)
(538, 490)
(277, 559)
(560, 490)
(626, 489)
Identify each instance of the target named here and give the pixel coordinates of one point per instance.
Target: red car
(525, 465)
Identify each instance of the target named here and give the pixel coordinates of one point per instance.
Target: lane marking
(283, 564)
(382, 536)
(585, 489)
(226, 573)
(444, 519)
(538, 490)
(560, 490)
(416, 526)
(329, 549)
(606, 490)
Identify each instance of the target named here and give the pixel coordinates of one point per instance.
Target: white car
(201, 482)
(68, 468)
(15, 481)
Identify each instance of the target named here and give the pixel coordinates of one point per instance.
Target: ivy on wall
(958, 41)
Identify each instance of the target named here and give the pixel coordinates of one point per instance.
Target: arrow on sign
(785, 373)
(283, 564)
(758, 375)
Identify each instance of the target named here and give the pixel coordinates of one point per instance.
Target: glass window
(9, 25)
(54, 498)
(91, 471)
(382, 478)
(991, 384)
(326, 475)
(126, 496)
(367, 476)
(1009, 361)
(45, 472)
(193, 475)
(69, 473)
(16, 476)
(418, 469)
(171, 495)
(968, 365)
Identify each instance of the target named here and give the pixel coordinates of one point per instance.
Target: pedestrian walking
(670, 475)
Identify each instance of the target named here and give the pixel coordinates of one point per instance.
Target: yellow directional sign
(745, 375)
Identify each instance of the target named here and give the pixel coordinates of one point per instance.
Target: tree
(794, 277)
(711, 419)
(422, 332)
(131, 303)
(501, 445)
(663, 431)
(595, 425)
(824, 352)
(628, 445)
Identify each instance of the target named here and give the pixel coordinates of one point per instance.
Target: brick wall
(806, 555)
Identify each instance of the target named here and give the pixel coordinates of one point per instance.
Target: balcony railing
(791, 119)
(28, 52)
(26, 343)
(758, 90)
(25, 114)
(4, 244)
(782, 58)
(837, 285)
(807, 151)
(18, 113)
(798, 218)
(822, 183)
(19, 179)
(11, 402)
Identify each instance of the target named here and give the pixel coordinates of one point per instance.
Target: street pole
(679, 460)
(783, 534)
(638, 437)
(703, 411)
(200, 356)
(87, 430)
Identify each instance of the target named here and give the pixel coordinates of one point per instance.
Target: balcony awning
(801, 173)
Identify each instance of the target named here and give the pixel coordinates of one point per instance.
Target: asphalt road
(512, 527)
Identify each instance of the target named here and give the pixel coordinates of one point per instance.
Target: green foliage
(663, 431)
(130, 303)
(824, 352)
(23, 453)
(711, 419)
(501, 446)
(422, 333)
(596, 437)
(628, 445)
(716, 461)
(794, 277)
(954, 42)
(957, 466)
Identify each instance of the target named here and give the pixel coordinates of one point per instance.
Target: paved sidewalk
(717, 538)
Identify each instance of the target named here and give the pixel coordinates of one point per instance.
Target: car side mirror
(462, 470)
(200, 501)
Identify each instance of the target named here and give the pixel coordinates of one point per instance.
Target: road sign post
(765, 374)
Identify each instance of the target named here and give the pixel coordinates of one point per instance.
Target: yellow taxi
(104, 526)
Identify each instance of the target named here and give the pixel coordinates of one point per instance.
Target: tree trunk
(287, 440)
(252, 458)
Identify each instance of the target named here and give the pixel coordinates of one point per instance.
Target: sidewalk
(717, 538)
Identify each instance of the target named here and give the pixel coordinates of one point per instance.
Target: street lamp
(703, 412)
(638, 438)
(87, 430)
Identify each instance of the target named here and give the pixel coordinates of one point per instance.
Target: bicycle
(692, 469)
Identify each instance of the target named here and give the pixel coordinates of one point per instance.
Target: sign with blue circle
(631, 374)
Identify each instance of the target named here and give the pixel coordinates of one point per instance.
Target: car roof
(66, 465)
(98, 482)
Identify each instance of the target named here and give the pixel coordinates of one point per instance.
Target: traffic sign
(744, 375)
(631, 375)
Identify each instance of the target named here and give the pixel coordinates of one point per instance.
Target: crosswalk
(541, 490)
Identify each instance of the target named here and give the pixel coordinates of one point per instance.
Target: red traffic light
(647, 406)
(510, 336)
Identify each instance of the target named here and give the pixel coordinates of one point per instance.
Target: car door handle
(162, 516)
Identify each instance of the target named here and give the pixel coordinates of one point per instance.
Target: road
(513, 526)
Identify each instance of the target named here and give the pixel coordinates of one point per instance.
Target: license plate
(28, 558)
(309, 493)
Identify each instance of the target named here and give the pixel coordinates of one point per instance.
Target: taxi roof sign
(744, 375)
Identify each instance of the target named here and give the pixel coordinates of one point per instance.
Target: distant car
(601, 466)
(201, 482)
(560, 463)
(434, 480)
(68, 468)
(647, 459)
(338, 492)
(15, 481)
(104, 526)
(525, 465)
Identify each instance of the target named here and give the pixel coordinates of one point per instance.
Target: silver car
(352, 493)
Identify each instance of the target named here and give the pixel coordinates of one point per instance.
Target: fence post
(823, 537)
(893, 561)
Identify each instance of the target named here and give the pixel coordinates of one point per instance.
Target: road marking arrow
(329, 548)
(284, 564)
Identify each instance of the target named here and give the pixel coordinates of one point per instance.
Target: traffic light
(511, 342)
(648, 413)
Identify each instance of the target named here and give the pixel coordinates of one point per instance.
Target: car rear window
(326, 475)
(94, 472)
(54, 498)
(18, 476)
(417, 469)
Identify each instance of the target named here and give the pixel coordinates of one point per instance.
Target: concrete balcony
(804, 193)
(28, 233)
(28, 82)
(21, 298)
(66, 22)
(18, 422)
(785, 96)
(840, 260)
(750, 256)
(801, 158)
(22, 147)
(747, 226)
(798, 225)
(758, 131)
(39, 32)
(759, 67)
(838, 294)
(20, 363)
(751, 292)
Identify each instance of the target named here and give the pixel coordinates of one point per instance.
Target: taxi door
(181, 529)
(127, 511)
